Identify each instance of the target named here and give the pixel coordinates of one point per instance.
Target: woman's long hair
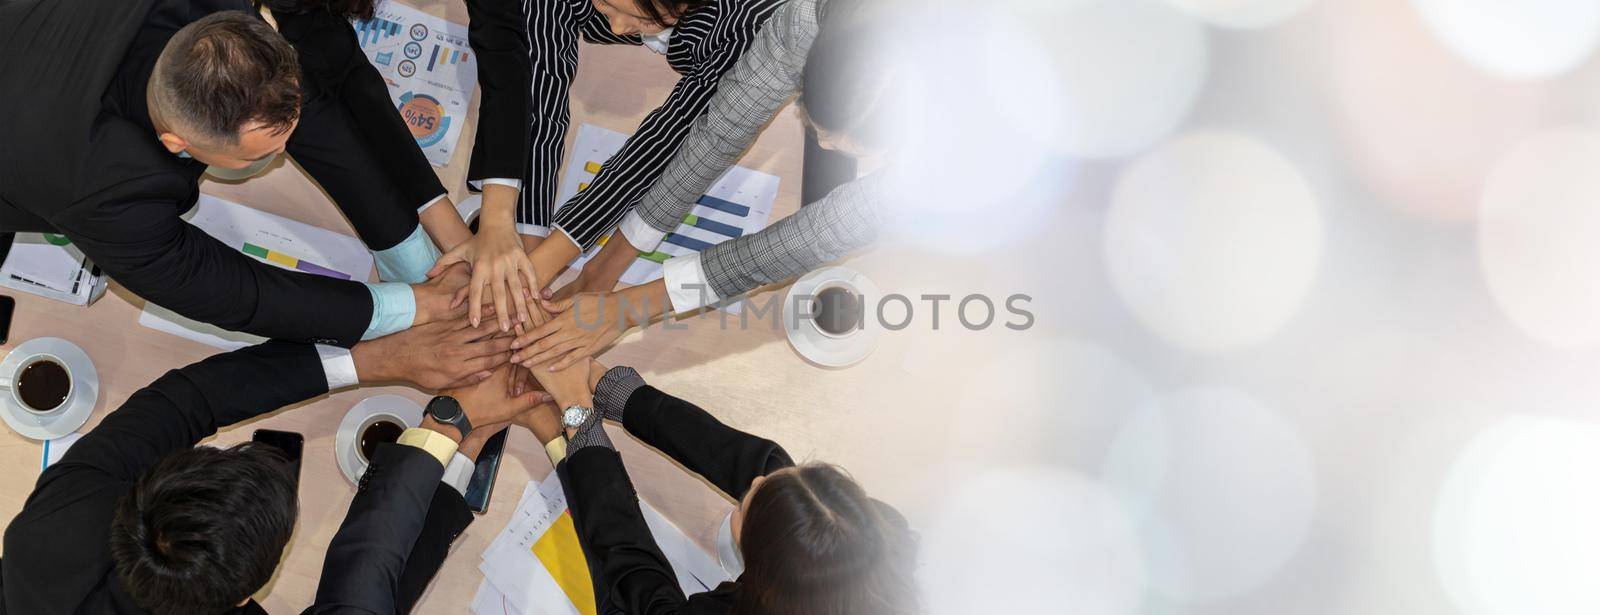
(815, 544)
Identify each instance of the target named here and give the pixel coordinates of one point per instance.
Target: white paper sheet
(517, 578)
(236, 225)
(430, 69)
(49, 266)
(54, 449)
(755, 190)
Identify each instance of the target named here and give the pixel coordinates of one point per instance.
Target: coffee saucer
(822, 348)
(70, 416)
(344, 441)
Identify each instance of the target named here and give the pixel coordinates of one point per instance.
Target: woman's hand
(568, 386)
(579, 327)
(498, 264)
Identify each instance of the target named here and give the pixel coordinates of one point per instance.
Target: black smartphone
(291, 443)
(8, 306)
(488, 466)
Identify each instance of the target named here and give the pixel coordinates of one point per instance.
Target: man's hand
(488, 402)
(473, 444)
(433, 356)
(436, 297)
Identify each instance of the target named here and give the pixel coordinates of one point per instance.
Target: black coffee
(838, 310)
(378, 433)
(43, 385)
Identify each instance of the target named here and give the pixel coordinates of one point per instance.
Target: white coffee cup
(374, 419)
(815, 308)
(12, 383)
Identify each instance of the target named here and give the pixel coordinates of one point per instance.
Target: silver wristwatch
(575, 416)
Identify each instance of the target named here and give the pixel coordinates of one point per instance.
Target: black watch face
(444, 409)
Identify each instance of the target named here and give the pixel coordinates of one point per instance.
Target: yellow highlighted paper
(561, 554)
(592, 167)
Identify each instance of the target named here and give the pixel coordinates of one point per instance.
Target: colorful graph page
(430, 70)
(270, 239)
(739, 203)
(559, 551)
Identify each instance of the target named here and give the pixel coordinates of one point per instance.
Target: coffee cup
(837, 308)
(40, 384)
(375, 430)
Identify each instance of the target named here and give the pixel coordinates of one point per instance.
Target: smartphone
(8, 306)
(291, 443)
(488, 466)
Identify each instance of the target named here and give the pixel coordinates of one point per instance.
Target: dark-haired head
(226, 89)
(844, 92)
(813, 542)
(204, 529)
(346, 9)
(631, 17)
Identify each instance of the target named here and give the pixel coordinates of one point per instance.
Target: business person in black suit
(116, 108)
(136, 519)
(811, 540)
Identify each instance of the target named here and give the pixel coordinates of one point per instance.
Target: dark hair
(204, 528)
(347, 9)
(843, 87)
(813, 542)
(664, 13)
(225, 70)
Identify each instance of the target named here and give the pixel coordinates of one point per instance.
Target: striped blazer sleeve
(631, 172)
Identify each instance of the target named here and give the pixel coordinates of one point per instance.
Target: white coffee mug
(9, 382)
(815, 307)
(367, 424)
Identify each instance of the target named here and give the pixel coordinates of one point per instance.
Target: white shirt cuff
(502, 181)
(639, 233)
(458, 473)
(533, 229)
(338, 365)
(435, 201)
(685, 278)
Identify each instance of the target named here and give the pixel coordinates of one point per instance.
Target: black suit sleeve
(367, 559)
(448, 517)
(498, 33)
(728, 458)
(350, 133)
(189, 404)
(142, 243)
(630, 573)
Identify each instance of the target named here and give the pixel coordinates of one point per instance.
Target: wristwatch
(575, 416)
(445, 409)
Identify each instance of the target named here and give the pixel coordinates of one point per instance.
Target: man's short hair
(224, 71)
(205, 528)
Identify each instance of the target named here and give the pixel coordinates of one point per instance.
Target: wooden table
(750, 378)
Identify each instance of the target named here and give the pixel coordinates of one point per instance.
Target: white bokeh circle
(1243, 13)
(1223, 490)
(1213, 240)
(1524, 39)
(1539, 236)
(1516, 527)
(1130, 70)
(1031, 540)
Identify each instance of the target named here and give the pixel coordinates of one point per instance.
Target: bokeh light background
(1317, 287)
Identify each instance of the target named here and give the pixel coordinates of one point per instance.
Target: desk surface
(749, 377)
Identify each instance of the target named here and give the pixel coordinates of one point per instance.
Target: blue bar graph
(687, 242)
(727, 206)
(713, 226)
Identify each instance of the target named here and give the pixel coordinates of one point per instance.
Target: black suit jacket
(395, 537)
(630, 574)
(81, 159)
(57, 552)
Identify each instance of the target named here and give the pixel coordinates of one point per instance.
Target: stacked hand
(502, 275)
(436, 298)
(436, 355)
(488, 404)
(579, 327)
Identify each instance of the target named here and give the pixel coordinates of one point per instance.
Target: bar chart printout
(429, 68)
(266, 238)
(738, 203)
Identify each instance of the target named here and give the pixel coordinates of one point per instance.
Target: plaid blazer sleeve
(747, 97)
